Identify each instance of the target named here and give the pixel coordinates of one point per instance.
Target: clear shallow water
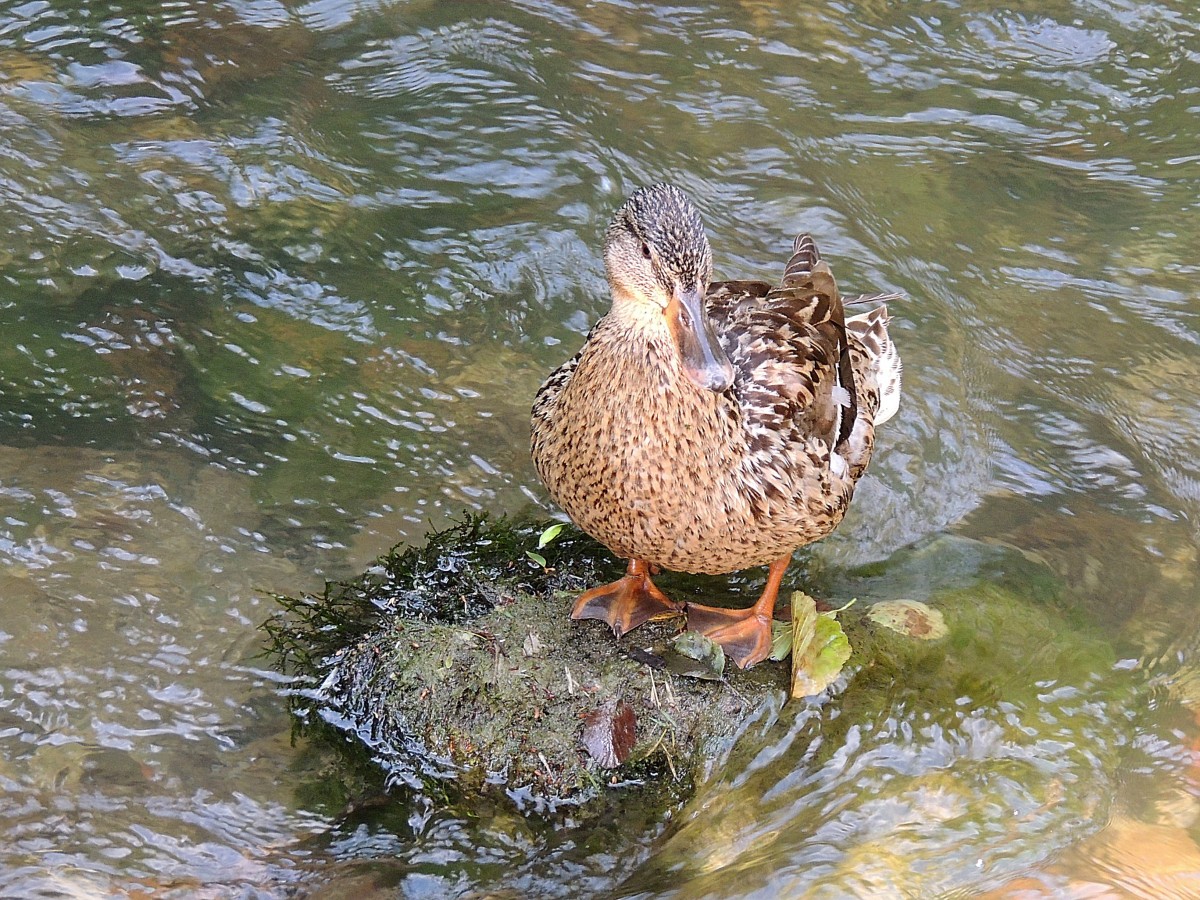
(279, 281)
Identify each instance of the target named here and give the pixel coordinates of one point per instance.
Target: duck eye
(646, 250)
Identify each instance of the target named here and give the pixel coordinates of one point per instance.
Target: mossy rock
(503, 699)
(458, 661)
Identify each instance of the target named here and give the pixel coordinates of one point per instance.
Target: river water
(278, 282)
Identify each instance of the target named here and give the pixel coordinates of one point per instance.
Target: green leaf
(537, 558)
(781, 640)
(819, 647)
(696, 656)
(550, 534)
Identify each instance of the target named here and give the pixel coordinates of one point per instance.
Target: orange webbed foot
(744, 634)
(627, 602)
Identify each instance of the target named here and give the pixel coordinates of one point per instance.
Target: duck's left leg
(744, 634)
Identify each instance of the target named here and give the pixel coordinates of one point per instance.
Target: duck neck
(638, 315)
(641, 348)
(636, 359)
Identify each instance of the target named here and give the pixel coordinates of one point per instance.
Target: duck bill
(704, 361)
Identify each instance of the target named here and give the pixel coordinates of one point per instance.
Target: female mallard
(710, 427)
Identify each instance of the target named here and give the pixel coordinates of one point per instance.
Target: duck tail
(803, 263)
(871, 331)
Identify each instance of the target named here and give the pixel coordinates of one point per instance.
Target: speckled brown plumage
(691, 479)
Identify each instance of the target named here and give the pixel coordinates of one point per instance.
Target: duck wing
(806, 272)
(788, 343)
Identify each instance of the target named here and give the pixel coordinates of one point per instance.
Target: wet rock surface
(459, 661)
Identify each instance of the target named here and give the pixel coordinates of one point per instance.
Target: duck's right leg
(628, 602)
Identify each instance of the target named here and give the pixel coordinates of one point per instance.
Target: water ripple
(280, 280)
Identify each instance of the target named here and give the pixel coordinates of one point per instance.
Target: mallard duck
(708, 427)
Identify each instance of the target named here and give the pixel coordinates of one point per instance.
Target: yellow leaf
(819, 647)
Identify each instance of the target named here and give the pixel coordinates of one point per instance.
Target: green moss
(458, 658)
(461, 572)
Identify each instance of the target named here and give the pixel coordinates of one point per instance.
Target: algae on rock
(459, 659)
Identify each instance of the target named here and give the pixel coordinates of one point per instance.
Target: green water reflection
(280, 278)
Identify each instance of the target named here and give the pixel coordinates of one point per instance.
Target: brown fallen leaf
(609, 733)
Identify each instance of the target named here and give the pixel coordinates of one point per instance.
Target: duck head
(659, 264)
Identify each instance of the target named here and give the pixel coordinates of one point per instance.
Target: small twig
(670, 764)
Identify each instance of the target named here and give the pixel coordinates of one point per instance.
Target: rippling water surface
(279, 280)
